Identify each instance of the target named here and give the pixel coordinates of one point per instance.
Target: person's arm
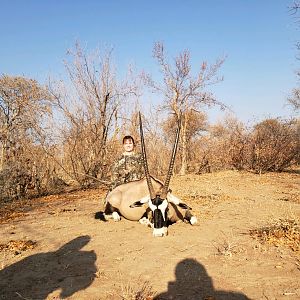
(116, 173)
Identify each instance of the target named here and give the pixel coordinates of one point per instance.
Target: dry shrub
(13, 182)
(272, 145)
(14, 209)
(226, 146)
(208, 156)
(137, 292)
(25, 108)
(32, 173)
(275, 144)
(284, 232)
(226, 248)
(18, 246)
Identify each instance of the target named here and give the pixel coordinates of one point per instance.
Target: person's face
(128, 145)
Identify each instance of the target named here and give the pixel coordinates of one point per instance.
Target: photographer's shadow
(193, 283)
(35, 277)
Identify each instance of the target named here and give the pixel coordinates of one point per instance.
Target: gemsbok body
(148, 200)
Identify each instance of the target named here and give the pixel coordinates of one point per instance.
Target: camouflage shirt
(126, 169)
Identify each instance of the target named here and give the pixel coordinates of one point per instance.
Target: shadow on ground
(68, 269)
(193, 283)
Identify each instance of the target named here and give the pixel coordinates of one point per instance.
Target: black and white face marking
(159, 210)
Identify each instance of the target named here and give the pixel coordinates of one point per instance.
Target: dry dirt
(54, 248)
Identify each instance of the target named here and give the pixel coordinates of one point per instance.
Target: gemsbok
(148, 200)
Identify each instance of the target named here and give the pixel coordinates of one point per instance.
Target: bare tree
(91, 115)
(23, 102)
(23, 105)
(294, 99)
(295, 6)
(183, 92)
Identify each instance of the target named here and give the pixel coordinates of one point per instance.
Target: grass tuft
(283, 232)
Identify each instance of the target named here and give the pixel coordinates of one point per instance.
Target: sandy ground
(69, 254)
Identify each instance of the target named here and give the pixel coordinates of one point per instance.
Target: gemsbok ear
(140, 202)
(183, 205)
(136, 204)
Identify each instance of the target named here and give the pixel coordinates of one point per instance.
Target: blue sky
(258, 38)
